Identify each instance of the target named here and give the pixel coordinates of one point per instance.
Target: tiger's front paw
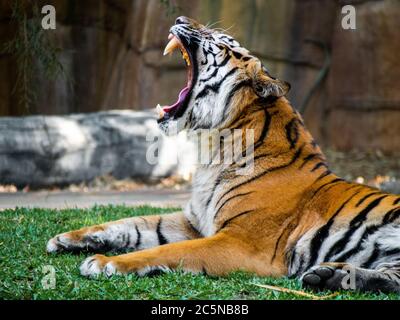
(77, 241)
(98, 264)
(60, 243)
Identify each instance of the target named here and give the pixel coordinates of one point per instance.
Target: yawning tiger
(290, 216)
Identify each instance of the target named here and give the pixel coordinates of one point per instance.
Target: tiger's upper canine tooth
(171, 46)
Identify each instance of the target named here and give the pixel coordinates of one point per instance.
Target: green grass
(23, 237)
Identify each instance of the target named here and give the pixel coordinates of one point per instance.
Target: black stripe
(240, 122)
(397, 201)
(230, 220)
(361, 217)
(370, 230)
(225, 37)
(323, 175)
(190, 118)
(322, 234)
(123, 240)
(205, 57)
(335, 183)
(260, 141)
(90, 262)
(392, 252)
(237, 55)
(211, 76)
(260, 156)
(366, 197)
(312, 157)
(372, 258)
(392, 215)
(229, 199)
(161, 238)
(292, 132)
(216, 184)
(225, 61)
(319, 165)
(291, 257)
(237, 87)
(139, 238)
(264, 132)
(293, 160)
(216, 86)
(357, 248)
(128, 240)
(277, 244)
(324, 185)
(355, 224)
(263, 135)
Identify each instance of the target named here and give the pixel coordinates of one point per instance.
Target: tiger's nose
(182, 20)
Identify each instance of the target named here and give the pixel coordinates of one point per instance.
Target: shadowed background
(111, 50)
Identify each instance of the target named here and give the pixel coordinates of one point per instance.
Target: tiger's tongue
(182, 96)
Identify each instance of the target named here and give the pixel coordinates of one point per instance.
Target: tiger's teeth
(160, 111)
(171, 46)
(185, 57)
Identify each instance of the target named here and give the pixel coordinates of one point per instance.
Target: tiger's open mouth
(178, 108)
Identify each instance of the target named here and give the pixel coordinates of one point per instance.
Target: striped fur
(290, 216)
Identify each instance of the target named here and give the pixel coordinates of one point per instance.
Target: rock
(391, 187)
(44, 151)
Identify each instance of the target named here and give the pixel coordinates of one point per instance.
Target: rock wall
(364, 81)
(112, 50)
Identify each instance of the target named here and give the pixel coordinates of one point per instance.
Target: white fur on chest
(199, 211)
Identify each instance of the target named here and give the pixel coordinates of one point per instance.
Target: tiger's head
(222, 79)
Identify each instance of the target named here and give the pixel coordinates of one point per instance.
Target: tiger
(290, 216)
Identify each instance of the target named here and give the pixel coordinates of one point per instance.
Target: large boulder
(57, 150)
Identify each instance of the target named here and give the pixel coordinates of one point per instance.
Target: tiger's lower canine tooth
(185, 57)
(160, 111)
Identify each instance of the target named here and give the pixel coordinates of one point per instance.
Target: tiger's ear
(265, 86)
